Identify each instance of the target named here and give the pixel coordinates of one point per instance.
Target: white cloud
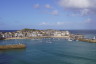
(36, 6)
(77, 3)
(43, 23)
(85, 12)
(80, 12)
(84, 7)
(54, 12)
(47, 6)
(51, 23)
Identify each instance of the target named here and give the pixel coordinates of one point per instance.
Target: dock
(88, 40)
(15, 46)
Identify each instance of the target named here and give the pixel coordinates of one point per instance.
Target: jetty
(15, 46)
(79, 37)
(88, 40)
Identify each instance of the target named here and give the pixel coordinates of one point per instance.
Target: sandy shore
(36, 37)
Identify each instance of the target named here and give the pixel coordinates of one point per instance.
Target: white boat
(94, 37)
(69, 39)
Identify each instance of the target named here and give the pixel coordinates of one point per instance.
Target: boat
(69, 39)
(14, 46)
(94, 38)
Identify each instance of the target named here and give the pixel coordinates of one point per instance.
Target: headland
(33, 33)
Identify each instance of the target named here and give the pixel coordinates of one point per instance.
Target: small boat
(94, 38)
(15, 46)
(69, 39)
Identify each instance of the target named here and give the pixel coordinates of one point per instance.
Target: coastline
(36, 37)
(36, 34)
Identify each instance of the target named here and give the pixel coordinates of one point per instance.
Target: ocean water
(49, 51)
(8, 30)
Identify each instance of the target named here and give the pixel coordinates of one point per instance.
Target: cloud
(77, 3)
(85, 12)
(54, 12)
(48, 6)
(36, 6)
(43, 23)
(51, 23)
(83, 7)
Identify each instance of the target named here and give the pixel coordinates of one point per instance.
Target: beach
(65, 37)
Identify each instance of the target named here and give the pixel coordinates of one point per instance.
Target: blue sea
(51, 51)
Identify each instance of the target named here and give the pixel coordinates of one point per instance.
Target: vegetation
(26, 29)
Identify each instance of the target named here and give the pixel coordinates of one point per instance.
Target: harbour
(30, 34)
(48, 50)
(47, 32)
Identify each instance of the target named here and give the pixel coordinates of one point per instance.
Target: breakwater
(16, 46)
(87, 40)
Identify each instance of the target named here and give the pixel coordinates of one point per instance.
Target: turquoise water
(49, 51)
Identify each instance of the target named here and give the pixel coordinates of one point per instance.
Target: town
(49, 33)
(34, 33)
(29, 33)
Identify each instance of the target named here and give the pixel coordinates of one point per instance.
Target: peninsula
(49, 33)
(33, 33)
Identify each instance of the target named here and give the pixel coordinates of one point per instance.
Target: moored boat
(69, 39)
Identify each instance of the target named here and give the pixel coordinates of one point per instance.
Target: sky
(47, 14)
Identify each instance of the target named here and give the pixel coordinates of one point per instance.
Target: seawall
(88, 40)
(16, 46)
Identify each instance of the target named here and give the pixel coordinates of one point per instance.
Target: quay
(15, 46)
(82, 38)
(88, 40)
